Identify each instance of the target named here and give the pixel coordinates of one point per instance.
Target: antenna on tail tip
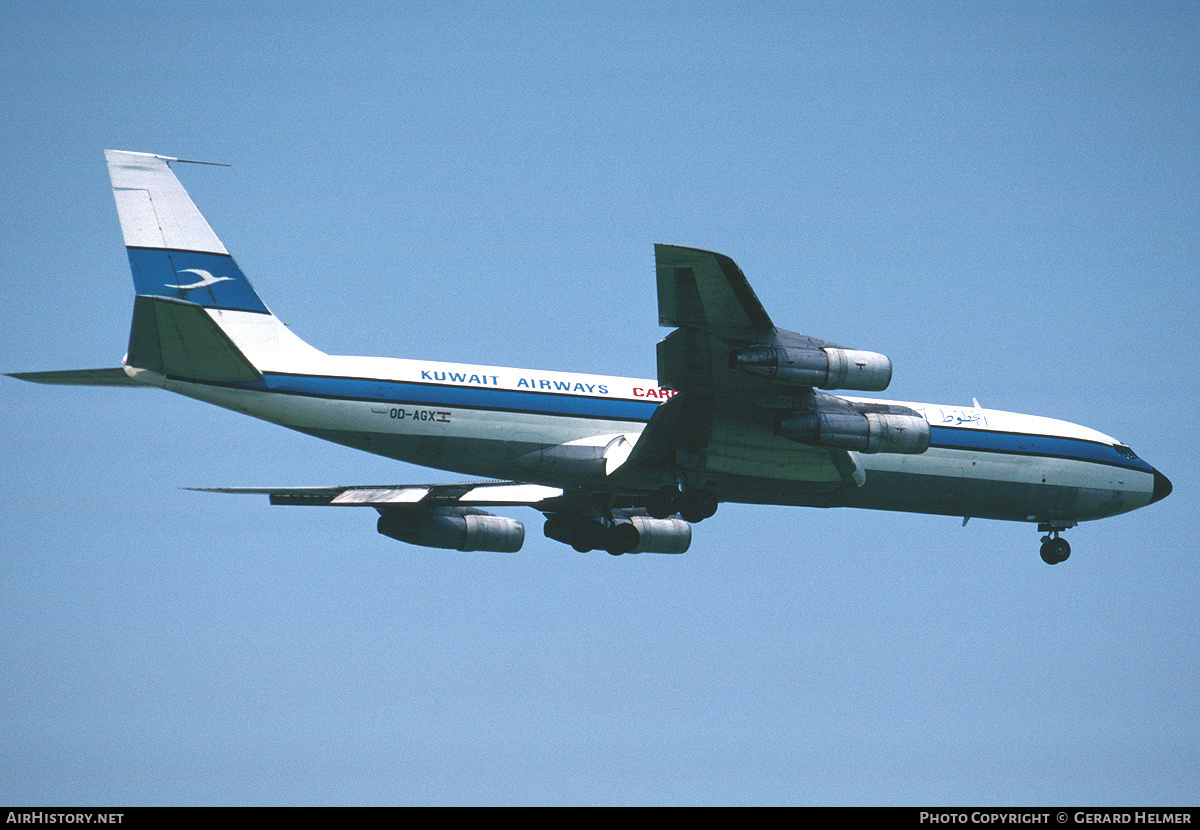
(197, 161)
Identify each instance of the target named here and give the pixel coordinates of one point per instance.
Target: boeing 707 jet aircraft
(741, 411)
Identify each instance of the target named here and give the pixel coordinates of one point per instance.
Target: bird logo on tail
(206, 279)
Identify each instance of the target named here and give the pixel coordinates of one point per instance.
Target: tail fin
(196, 316)
(173, 251)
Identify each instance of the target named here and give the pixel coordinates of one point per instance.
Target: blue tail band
(207, 279)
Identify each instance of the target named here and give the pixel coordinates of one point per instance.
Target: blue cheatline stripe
(617, 409)
(1016, 443)
(210, 280)
(471, 397)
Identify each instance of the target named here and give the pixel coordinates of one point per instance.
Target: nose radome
(1162, 487)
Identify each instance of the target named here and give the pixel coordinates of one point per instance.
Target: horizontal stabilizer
(180, 340)
(80, 377)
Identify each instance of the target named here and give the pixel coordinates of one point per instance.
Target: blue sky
(1001, 197)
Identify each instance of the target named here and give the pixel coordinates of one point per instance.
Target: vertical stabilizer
(173, 251)
(197, 317)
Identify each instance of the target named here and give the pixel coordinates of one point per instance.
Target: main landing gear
(1055, 549)
(691, 505)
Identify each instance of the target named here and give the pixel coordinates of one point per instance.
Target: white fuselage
(511, 423)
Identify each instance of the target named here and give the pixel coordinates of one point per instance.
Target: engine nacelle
(827, 368)
(862, 432)
(661, 535)
(454, 528)
(633, 534)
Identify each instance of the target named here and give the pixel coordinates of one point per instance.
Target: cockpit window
(1124, 450)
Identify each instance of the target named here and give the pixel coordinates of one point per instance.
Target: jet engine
(848, 429)
(825, 368)
(456, 528)
(661, 535)
(631, 534)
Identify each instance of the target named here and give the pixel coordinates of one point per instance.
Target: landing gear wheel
(1061, 548)
(1055, 549)
(1048, 556)
(664, 502)
(698, 505)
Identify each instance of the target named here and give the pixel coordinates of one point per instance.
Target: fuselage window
(1124, 450)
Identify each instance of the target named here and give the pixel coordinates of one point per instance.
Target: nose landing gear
(1055, 549)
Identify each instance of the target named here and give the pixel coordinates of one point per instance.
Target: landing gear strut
(691, 505)
(1055, 549)
(664, 502)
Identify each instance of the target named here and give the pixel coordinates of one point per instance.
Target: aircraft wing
(414, 496)
(702, 288)
(720, 424)
(715, 311)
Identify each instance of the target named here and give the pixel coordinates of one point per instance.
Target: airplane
(741, 411)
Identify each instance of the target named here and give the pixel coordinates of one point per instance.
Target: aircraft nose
(1162, 487)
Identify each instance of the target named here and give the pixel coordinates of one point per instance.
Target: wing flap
(696, 360)
(380, 496)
